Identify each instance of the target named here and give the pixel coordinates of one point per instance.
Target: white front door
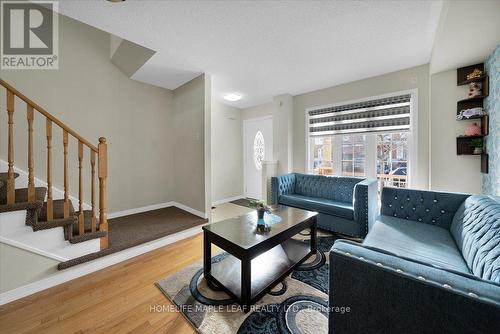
(258, 146)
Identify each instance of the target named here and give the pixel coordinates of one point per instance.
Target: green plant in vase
(261, 208)
(477, 143)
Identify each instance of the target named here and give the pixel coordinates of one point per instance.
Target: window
(392, 159)
(322, 159)
(369, 138)
(353, 155)
(258, 150)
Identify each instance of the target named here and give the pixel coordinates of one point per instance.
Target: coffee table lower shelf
(267, 269)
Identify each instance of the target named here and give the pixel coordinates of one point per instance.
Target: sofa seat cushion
(417, 241)
(321, 205)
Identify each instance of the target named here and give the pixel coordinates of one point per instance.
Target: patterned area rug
(296, 305)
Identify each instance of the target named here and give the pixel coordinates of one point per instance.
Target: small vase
(260, 213)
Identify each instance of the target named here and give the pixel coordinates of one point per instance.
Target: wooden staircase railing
(100, 151)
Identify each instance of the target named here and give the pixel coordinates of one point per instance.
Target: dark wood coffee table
(257, 261)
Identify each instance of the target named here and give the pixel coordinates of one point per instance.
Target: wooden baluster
(102, 174)
(92, 189)
(50, 203)
(31, 177)
(11, 185)
(81, 222)
(66, 185)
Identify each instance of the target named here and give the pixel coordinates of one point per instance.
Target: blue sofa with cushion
(344, 204)
(430, 263)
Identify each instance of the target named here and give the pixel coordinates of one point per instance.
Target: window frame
(371, 140)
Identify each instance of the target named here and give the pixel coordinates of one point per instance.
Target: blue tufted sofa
(344, 204)
(430, 263)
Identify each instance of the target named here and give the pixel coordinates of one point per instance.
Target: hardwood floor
(117, 299)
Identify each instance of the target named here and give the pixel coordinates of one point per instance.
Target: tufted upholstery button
(434, 220)
(427, 210)
(472, 294)
(414, 208)
(421, 278)
(395, 197)
(379, 264)
(419, 219)
(390, 205)
(407, 217)
(402, 207)
(399, 271)
(446, 286)
(408, 199)
(395, 215)
(435, 201)
(442, 211)
(421, 199)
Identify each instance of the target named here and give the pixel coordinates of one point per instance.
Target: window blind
(385, 114)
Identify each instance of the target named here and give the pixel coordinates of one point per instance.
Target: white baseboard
(156, 207)
(190, 210)
(139, 210)
(227, 200)
(95, 265)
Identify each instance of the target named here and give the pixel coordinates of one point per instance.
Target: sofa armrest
(280, 185)
(365, 205)
(389, 294)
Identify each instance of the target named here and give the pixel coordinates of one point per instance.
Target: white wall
(227, 152)
(449, 171)
(23, 267)
(95, 98)
(189, 144)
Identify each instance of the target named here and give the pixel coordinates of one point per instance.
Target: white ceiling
(266, 48)
(459, 42)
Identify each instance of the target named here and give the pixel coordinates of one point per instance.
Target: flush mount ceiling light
(232, 97)
(116, 0)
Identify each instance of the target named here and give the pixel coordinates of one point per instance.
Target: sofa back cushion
(429, 207)
(329, 187)
(476, 230)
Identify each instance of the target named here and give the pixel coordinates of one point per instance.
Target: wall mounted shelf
(464, 143)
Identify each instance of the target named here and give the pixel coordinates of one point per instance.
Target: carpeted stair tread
(3, 186)
(33, 206)
(63, 222)
(87, 222)
(22, 195)
(3, 176)
(85, 258)
(58, 205)
(87, 236)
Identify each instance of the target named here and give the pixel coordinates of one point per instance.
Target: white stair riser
(50, 242)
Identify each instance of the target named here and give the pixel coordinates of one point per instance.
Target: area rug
(243, 202)
(296, 305)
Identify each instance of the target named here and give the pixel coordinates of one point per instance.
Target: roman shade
(384, 114)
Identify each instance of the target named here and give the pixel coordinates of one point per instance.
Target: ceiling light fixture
(232, 97)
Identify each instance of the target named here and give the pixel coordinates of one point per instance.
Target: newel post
(103, 174)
